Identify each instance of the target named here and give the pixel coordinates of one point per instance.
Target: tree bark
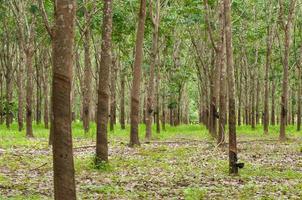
(157, 100)
(240, 99)
(135, 92)
(266, 83)
(223, 84)
(150, 94)
(38, 93)
(9, 96)
(299, 96)
(273, 121)
(63, 41)
(1, 98)
(29, 52)
(20, 82)
(122, 106)
(233, 169)
(46, 96)
(112, 94)
(103, 92)
(87, 89)
(287, 42)
(293, 108)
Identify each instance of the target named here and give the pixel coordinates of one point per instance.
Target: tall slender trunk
(246, 102)
(87, 89)
(288, 118)
(223, 83)
(29, 90)
(178, 118)
(299, 97)
(254, 92)
(233, 168)
(171, 116)
(112, 94)
(20, 82)
(122, 106)
(63, 41)
(266, 86)
(46, 97)
(284, 97)
(157, 101)
(135, 92)
(273, 121)
(253, 89)
(150, 94)
(163, 107)
(1, 98)
(239, 99)
(258, 90)
(222, 105)
(38, 94)
(9, 96)
(103, 92)
(293, 108)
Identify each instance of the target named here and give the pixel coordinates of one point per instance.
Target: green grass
(194, 194)
(171, 170)
(13, 138)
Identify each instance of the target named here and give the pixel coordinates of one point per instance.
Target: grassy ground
(181, 163)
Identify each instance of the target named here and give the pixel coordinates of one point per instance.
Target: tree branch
(45, 19)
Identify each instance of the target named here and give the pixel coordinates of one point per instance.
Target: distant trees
(181, 64)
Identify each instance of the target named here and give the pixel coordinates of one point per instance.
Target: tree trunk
(293, 108)
(87, 89)
(38, 94)
(223, 84)
(122, 106)
(258, 90)
(157, 101)
(266, 87)
(29, 89)
(46, 96)
(103, 92)
(9, 96)
(253, 89)
(1, 98)
(284, 97)
(233, 169)
(289, 107)
(273, 121)
(299, 97)
(112, 94)
(20, 82)
(63, 40)
(246, 101)
(163, 107)
(135, 92)
(240, 99)
(171, 116)
(150, 93)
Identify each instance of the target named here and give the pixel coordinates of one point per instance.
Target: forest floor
(181, 163)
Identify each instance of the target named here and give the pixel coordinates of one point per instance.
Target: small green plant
(194, 194)
(102, 166)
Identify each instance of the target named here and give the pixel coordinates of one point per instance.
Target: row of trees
(182, 62)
